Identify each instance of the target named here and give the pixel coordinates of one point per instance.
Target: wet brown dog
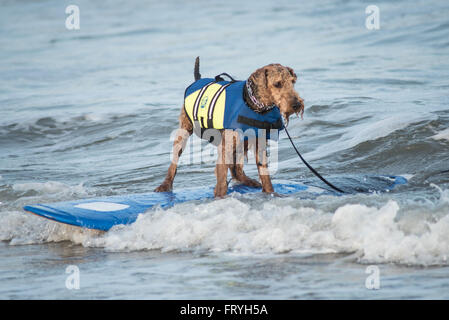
(270, 85)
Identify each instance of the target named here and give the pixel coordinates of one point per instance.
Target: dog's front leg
(262, 167)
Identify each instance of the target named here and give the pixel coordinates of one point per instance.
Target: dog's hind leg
(183, 134)
(178, 146)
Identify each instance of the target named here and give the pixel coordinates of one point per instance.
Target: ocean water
(89, 112)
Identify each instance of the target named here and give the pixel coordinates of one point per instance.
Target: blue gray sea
(89, 112)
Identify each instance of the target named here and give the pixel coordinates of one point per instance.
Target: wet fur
(272, 84)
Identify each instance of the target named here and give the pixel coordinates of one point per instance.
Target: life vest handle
(219, 78)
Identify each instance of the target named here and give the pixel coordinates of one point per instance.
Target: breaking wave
(404, 233)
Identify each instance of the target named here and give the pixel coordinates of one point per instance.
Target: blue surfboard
(105, 212)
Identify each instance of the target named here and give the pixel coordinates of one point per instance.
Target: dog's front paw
(164, 187)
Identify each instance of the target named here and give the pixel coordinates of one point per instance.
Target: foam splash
(375, 234)
(379, 238)
(444, 194)
(50, 187)
(224, 225)
(443, 135)
(18, 227)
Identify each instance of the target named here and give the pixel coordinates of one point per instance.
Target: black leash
(308, 165)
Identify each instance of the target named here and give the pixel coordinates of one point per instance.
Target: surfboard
(103, 213)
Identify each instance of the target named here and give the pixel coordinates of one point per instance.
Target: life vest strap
(260, 124)
(219, 78)
(213, 103)
(211, 106)
(198, 99)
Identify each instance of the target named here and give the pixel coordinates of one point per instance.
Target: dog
(265, 100)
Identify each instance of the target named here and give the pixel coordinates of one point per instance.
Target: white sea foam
(231, 225)
(19, 227)
(407, 176)
(50, 187)
(94, 117)
(379, 238)
(443, 135)
(376, 234)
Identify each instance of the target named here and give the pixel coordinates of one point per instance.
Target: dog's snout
(298, 105)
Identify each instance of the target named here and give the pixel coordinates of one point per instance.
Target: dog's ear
(266, 78)
(261, 81)
(260, 77)
(292, 73)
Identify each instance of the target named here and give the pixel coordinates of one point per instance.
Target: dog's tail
(196, 71)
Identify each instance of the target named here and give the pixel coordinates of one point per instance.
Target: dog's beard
(286, 116)
(285, 119)
(300, 111)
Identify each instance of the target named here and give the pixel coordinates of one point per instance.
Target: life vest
(217, 104)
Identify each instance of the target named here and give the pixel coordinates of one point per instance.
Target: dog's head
(274, 84)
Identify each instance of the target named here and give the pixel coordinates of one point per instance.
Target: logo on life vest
(203, 102)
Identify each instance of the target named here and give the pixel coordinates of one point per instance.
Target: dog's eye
(278, 84)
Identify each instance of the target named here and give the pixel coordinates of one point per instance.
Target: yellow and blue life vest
(212, 104)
